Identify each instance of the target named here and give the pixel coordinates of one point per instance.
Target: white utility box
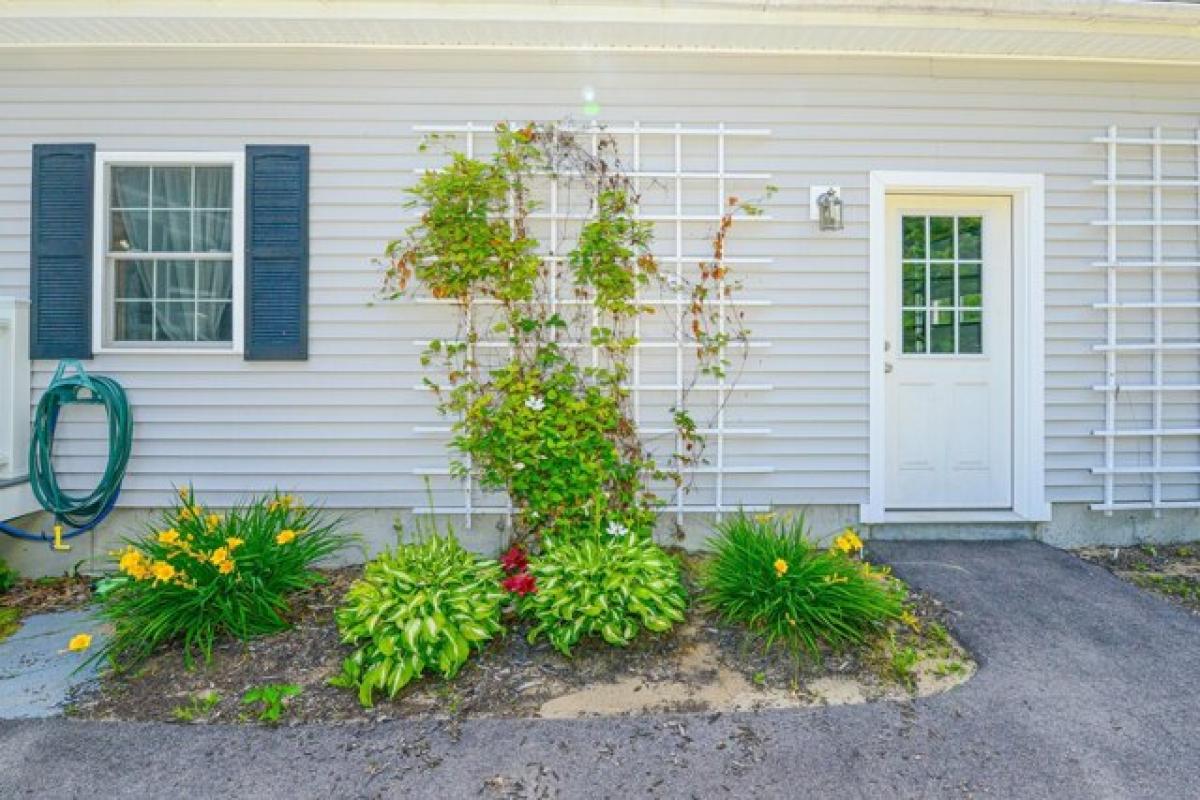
(15, 497)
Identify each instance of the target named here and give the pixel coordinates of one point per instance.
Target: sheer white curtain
(214, 290)
(130, 187)
(214, 187)
(212, 231)
(170, 216)
(173, 209)
(174, 296)
(130, 201)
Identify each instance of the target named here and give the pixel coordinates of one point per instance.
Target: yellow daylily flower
(781, 568)
(128, 559)
(878, 573)
(219, 556)
(162, 571)
(169, 536)
(233, 543)
(79, 642)
(226, 567)
(212, 521)
(848, 542)
(285, 536)
(285, 502)
(133, 564)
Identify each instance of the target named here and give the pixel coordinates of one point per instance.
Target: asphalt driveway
(1087, 688)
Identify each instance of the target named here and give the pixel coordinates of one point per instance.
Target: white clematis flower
(617, 529)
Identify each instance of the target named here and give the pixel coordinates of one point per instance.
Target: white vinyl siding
(339, 426)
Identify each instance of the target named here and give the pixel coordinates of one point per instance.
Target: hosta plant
(420, 607)
(611, 589)
(198, 574)
(767, 574)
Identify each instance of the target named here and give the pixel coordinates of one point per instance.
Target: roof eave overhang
(1079, 30)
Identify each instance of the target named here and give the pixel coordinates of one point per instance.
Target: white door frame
(1028, 430)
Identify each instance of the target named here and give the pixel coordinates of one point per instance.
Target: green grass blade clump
(767, 574)
(198, 575)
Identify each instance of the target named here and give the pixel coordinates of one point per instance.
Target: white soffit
(1090, 30)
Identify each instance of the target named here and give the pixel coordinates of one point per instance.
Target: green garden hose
(80, 512)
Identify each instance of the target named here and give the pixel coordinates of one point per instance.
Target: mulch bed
(43, 595)
(1170, 570)
(39, 596)
(703, 665)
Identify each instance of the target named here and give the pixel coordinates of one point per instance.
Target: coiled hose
(79, 512)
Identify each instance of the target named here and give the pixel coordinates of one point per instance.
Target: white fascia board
(1089, 11)
(1093, 30)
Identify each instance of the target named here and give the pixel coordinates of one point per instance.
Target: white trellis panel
(1152, 312)
(686, 201)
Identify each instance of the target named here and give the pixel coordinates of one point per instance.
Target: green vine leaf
(546, 416)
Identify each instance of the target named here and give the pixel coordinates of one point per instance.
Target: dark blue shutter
(276, 252)
(60, 251)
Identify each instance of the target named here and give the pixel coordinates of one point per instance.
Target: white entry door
(948, 353)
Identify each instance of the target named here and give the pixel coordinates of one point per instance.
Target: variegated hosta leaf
(420, 607)
(606, 589)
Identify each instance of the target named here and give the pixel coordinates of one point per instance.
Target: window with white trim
(942, 299)
(169, 235)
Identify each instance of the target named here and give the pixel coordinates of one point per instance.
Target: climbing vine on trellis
(546, 418)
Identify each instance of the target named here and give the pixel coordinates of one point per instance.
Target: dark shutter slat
(276, 252)
(60, 250)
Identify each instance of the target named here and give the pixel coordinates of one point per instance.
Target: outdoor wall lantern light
(826, 207)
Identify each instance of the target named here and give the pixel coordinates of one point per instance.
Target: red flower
(515, 560)
(520, 584)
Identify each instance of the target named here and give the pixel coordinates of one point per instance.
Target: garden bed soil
(703, 665)
(43, 595)
(1169, 570)
(31, 596)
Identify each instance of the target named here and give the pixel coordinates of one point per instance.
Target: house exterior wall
(339, 427)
